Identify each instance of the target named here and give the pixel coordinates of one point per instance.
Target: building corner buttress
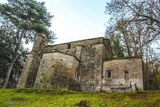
(31, 65)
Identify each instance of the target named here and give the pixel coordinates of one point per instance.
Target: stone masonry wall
(80, 65)
(91, 62)
(124, 73)
(73, 45)
(30, 69)
(56, 70)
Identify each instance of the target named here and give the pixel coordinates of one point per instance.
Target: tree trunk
(8, 73)
(14, 58)
(126, 42)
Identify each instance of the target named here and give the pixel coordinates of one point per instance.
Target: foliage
(6, 50)
(137, 24)
(28, 15)
(24, 18)
(66, 98)
(117, 47)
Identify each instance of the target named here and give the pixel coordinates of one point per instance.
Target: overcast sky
(77, 19)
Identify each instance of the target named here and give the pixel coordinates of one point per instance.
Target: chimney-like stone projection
(30, 69)
(85, 65)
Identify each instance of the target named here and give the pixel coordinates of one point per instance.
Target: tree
(25, 18)
(117, 47)
(135, 19)
(146, 11)
(6, 50)
(133, 36)
(138, 24)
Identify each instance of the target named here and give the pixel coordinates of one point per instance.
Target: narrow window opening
(108, 74)
(126, 74)
(69, 45)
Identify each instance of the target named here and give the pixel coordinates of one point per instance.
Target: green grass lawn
(64, 98)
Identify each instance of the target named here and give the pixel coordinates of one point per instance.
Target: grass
(64, 98)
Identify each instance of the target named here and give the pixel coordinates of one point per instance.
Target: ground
(64, 98)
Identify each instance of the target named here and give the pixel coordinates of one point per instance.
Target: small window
(126, 74)
(108, 74)
(69, 45)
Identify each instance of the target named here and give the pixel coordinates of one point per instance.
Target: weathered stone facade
(81, 65)
(122, 75)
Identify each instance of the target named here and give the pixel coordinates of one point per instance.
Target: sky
(76, 19)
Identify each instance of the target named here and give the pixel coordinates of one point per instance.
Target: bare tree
(138, 24)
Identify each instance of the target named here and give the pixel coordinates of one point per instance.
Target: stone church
(85, 65)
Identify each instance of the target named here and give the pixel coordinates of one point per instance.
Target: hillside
(64, 98)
